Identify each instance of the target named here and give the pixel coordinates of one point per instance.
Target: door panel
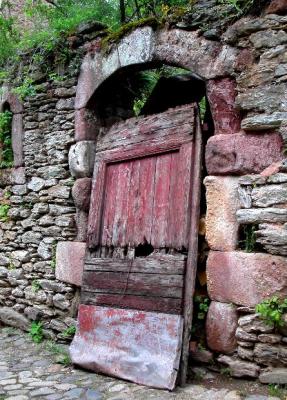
(134, 281)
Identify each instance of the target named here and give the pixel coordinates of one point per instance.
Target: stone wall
(41, 213)
(238, 280)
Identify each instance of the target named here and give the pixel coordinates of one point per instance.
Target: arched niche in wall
(9, 102)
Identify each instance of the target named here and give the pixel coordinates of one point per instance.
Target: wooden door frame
(191, 265)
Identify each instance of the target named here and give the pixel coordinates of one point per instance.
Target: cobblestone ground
(32, 371)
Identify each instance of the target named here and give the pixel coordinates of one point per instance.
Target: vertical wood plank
(97, 195)
(109, 206)
(143, 226)
(133, 203)
(175, 203)
(159, 234)
(121, 204)
(185, 174)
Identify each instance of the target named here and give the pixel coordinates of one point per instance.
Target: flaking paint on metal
(143, 347)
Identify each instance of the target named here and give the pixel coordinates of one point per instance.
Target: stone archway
(207, 59)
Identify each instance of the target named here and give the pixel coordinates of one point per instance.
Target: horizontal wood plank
(159, 304)
(178, 121)
(157, 285)
(157, 264)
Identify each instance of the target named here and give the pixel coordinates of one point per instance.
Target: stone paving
(32, 371)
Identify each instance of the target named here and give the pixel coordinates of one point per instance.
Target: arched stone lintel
(208, 59)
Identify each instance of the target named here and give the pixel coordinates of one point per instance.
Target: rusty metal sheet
(139, 346)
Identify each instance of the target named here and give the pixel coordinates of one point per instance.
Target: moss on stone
(116, 36)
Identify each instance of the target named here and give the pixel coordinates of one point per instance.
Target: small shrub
(4, 208)
(53, 250)
(249, 241)
(35, 286)
(36, 332)
(271, 310)
(225, 371)
(62, 354)
(69, 331)
(203, 305)
(277, 391)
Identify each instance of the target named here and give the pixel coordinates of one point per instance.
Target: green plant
(202, 303)
(249, 240)
(271, 310)
(146, 82)
(53, 251)
(6, 152)
(277, 391)
(240, 6)
(70, 331)
(62, 354)
(36, 286)
(225, 371)
(36, 332)
(11, 265)
(4, 208)
(25, 89)
(202, 108)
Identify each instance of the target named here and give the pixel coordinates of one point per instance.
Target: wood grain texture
(96, 208)
(154, 128)
(159, 304)
(158, 285)
(191, 266)
(155, 264)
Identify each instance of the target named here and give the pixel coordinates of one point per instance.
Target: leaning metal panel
(143, 347)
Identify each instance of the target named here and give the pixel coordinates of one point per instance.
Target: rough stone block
(274, 375)
(70, 262)
(242, 154)
(221, 224)
(262, 122)
(221, 324)
(81, 219)
(137, 47)
(240, 369)
(81, 193)
(12, 318)
(259, 215)
(270, 195)
(266, 354)
(221, 95)
(277, 7)
(81, 159)
(245, 278)
(86, 125)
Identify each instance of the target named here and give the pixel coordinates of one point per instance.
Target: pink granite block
(245, 278)
(70, 262)
(242, 154)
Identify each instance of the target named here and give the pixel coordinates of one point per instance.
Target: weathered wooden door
(134, 303)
